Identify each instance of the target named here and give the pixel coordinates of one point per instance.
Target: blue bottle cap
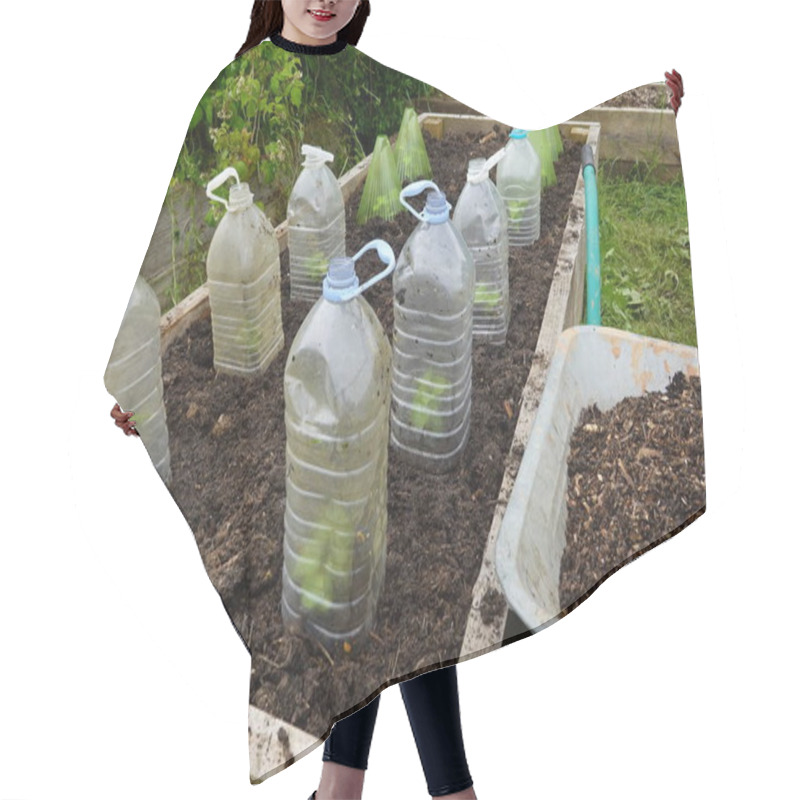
(341, 279)
(437, 209)
(518, 133)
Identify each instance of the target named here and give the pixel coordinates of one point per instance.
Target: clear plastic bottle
(133, 374)
(519, 181)
(244, 291)
(337, 390)
(315, 215)
(481, 218)
(433, 287)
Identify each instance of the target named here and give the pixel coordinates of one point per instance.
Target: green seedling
(427, 401)
(249, 336)
(409, 150)
(381, 195)
(556, 142)
(318, 265)
(384, 208)
(487, 297)
(328, 552)
(516, 211)
(541, 144)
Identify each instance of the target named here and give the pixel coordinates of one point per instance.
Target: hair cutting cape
(562, 480)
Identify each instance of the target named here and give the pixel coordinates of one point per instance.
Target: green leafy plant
(516, 212)
(486, 296)
(381, 194)
(427, 401)
(329, 551)
(541, 141)
(409, 150)
(556, 142)
(371, 100)
(248, 118)
(318, 265)
(255, 116)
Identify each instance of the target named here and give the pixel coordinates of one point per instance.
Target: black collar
(308, 49)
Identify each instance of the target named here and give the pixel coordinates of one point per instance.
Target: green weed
(645, 260)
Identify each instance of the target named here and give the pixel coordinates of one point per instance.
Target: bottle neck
(341, 280)
(436, 210)
(240, 197)
(476, 171)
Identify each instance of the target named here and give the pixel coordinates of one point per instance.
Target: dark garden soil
(227, 447)
(636, 477)
(651, 95)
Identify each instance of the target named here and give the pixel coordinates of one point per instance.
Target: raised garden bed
(228, 442)
(638, 128)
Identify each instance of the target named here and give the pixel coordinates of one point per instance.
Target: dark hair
(266, 19)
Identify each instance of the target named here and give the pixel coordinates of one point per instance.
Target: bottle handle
(412, 190)
(215, 183)
(385, 254)
(487, 167)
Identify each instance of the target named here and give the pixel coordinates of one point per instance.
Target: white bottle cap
(314, 156)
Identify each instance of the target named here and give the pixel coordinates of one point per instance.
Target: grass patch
(645, 262)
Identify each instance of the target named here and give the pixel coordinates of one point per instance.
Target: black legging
(432, 707)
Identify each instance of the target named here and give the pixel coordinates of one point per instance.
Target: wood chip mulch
(636, 477)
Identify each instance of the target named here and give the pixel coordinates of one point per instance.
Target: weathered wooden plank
(193, 307)
(273, 743)
(484, 632)
(631, 135)
(445, 124)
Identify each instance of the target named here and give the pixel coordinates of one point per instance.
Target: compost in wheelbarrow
(592, 367)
